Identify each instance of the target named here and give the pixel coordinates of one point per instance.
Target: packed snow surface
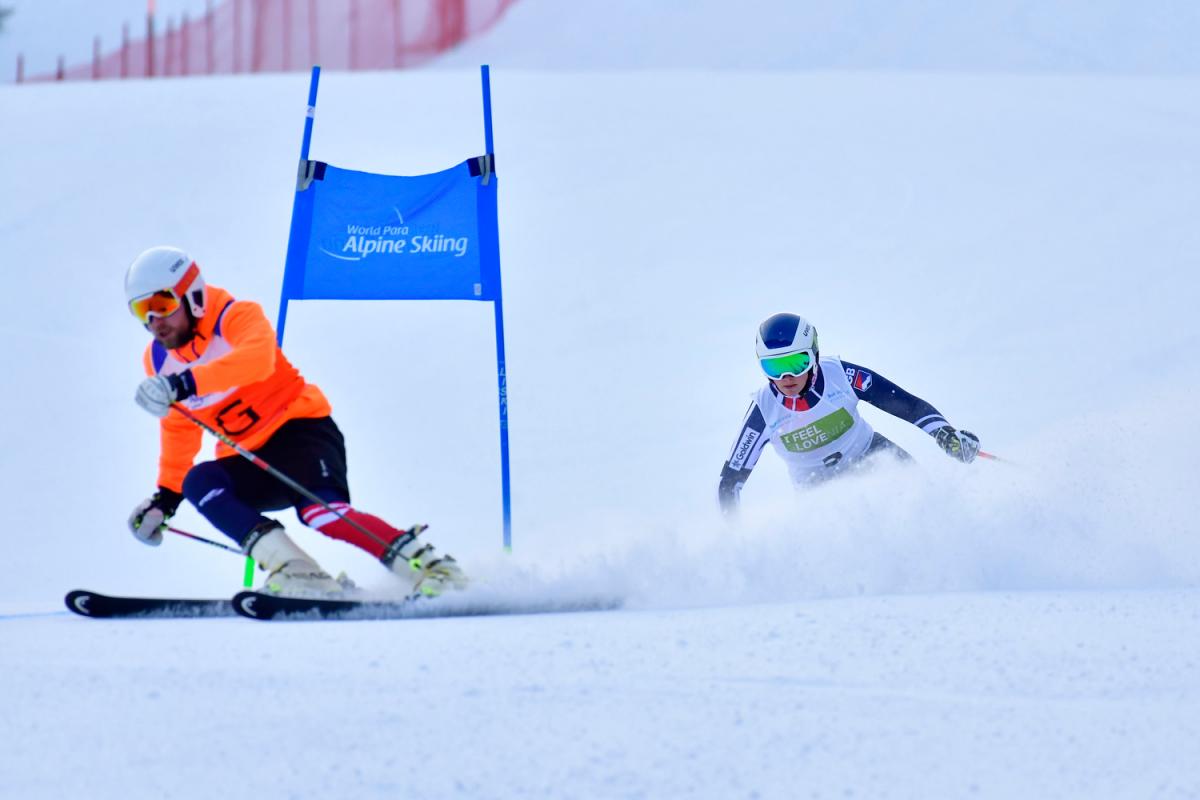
(1017, 248)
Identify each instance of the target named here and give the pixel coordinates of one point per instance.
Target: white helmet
(786, 345)
(165, 269)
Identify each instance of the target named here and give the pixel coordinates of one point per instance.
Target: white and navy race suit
(820, 433)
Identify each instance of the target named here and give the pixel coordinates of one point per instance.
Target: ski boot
(291, 571)
(419, 565)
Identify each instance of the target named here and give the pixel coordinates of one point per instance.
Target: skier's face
(173, 330)
(793, 385)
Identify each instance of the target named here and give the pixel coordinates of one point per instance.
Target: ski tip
(248, 604)
(262, 606)
(87, 603)
(79, 601)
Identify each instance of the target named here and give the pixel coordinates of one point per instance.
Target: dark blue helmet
(780, 334)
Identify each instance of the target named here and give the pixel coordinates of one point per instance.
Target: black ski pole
(206, 541)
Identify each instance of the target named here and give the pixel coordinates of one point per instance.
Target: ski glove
(962, 445)
(156, 393)
(149, 519)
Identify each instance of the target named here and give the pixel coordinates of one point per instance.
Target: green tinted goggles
(797, 364)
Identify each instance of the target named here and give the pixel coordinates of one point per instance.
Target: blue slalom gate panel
(362, 236)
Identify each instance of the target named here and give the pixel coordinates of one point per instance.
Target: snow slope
(1020, 250)
(1027, 36)
(988, 695)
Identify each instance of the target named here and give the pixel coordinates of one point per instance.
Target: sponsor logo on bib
(819, 433)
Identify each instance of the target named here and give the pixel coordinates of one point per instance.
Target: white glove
(149, 519)
(156, 393)
(962, 445)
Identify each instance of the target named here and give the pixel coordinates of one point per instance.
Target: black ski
(256, 605)
(93, 604)
(259, 605)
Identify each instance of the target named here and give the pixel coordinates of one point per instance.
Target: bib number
(242, 420)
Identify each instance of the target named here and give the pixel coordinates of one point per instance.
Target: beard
(173, 341)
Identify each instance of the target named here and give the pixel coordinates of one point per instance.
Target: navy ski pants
(232, 492)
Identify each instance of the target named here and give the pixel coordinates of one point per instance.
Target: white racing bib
(820, 437)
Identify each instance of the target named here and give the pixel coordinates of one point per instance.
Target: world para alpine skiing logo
(363, 241)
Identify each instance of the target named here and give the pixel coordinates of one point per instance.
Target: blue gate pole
(501, 369)
(309, 116)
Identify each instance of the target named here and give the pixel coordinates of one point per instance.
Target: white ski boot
(290, 570)
(419, 565)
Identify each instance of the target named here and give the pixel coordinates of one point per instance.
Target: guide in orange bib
(217, 356)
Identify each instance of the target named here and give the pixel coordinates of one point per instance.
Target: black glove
(962, 445)
(149, 519)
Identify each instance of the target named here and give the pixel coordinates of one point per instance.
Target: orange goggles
(162, 303)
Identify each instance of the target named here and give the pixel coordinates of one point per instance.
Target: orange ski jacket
(245, 387)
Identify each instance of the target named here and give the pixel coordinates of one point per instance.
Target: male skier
(217, 356)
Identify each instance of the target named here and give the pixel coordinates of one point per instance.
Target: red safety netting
(282, 35)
